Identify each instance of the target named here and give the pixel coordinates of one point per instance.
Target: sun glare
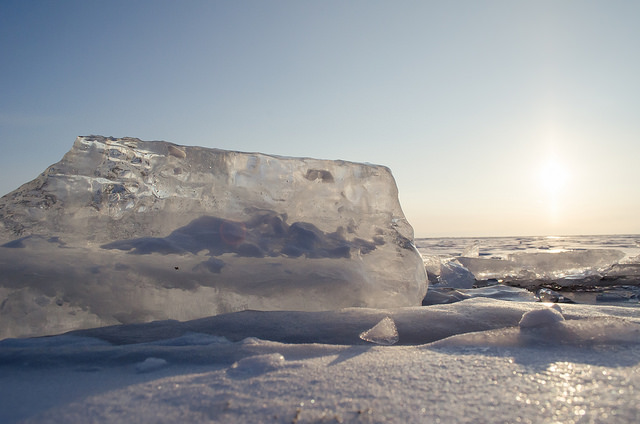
(553, 176)
(552, 179)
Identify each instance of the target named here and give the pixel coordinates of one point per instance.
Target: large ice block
(124, 230)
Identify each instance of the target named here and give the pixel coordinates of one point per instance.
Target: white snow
(478, 360)
(541, 317)
(257, 364)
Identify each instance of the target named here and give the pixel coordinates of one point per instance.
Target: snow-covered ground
(478, 360)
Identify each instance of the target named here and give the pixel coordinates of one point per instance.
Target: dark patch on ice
(443, 295)
(213, 265)
(145, 246)
(57, 240)
(256, 365)
(20, 243)
(176, 151)
(552, 296)
(319, 174)
(350, 353)
(265, 234)
(16, 244)
(121, 267)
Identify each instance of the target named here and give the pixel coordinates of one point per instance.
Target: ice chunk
(439, 294)
(127, 231)
(383, 333)
(628, 269)
(473, 250)
(150, 364)
(433, 266)
(548, 295)
(563, 264)
(626, 294)
(501, 291)
(447, 271)
(575, 267)
(256, 365)
(541, 318)
(443, 295)
(454, 274)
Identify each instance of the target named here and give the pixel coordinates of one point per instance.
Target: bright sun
(553, 176)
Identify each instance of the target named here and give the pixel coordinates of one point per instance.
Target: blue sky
(496, 117)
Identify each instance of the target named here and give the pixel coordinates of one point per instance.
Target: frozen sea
(603, 269)
(518, 329)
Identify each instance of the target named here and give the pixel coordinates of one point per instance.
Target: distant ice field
(501, 247)
(586, 269)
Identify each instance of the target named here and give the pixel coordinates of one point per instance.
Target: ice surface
(533, 262)
(544, 265)
(486, 363)
(151, 364)
(383, 333)
(576, 269)
(124, 231)
(442, 295)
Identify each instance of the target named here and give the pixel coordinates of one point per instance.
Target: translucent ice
(571, 267)
(383, 333)
(126, 231)
(448, 272)
(473, 250)
(454, 274)
(552, 296)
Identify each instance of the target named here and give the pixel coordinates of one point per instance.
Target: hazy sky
(496, 117)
